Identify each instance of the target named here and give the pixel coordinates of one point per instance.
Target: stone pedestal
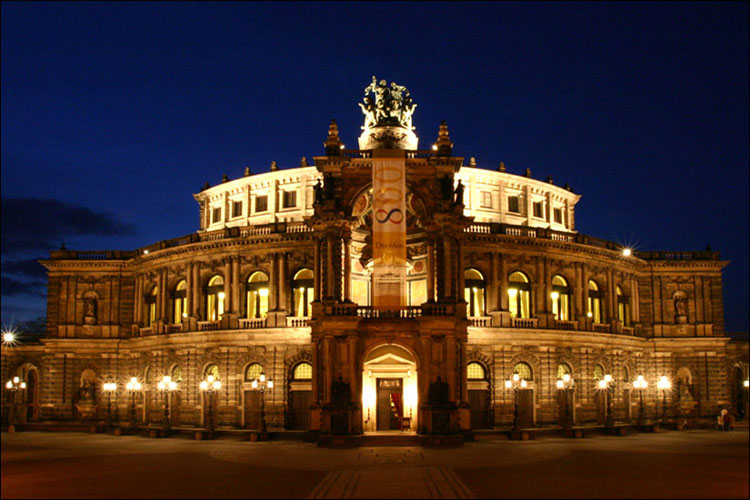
(388, 137)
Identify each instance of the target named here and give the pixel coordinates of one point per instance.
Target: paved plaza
(692, 464)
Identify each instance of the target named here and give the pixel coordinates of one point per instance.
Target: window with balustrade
(179, 302)
(257, 295)
(519, 295)
(594, 302)
(623, 307)
(302, 293)
(560, 296)
(474, 292)
(215, 298)
(150, 300)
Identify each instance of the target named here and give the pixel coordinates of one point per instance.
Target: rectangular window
(216, 215)
(538, 209)
(558, 215)
(513, 204)
(236, 208)
(261, 203)
(486, 199)
(290, 199)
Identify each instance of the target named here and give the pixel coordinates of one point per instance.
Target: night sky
(114, 114)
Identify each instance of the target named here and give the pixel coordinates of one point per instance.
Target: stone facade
(113, 315)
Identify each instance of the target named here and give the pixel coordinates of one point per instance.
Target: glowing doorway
(389, 389)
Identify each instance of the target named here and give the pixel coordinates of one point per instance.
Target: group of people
(724, 420)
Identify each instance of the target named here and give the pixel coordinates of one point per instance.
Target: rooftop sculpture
(391, 106)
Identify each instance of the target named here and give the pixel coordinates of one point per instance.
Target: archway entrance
(389, 389)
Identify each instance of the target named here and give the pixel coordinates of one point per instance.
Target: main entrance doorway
(389, 389)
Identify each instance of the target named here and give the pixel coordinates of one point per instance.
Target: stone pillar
(462, 371)
(447, 272)
(329, 267)
(274, 282)
(577, 309)
(541, 303)
(450, 362)
(492, 289)
(282, 282)
(430, 269)
(317, 269)
(315, 384)
(160, 302)
(460, 271)
(236, 285)
(347, 270)
(503, 282)
(189, 290)
(635, 302)
(227, 285)
(197, 289)
(327, 369)
(138, 299)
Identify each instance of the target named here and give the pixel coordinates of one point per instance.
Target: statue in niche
(87, 389)
(680, 308)
(459, 193)
(89, 315)
(319, 197)
(684, 386)
(438, 392)
(340, 393)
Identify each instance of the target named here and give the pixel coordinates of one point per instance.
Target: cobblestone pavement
(694, 464)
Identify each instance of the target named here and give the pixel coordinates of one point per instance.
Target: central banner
(389, 229)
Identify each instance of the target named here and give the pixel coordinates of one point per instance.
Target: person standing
(726, 418)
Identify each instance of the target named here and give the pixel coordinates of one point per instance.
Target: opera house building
(383, 288)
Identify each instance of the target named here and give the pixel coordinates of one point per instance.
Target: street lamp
(261, 384)
(640, 384)
(566, 384)
(13, 386)
(607, 384)
(132, 387)
(515, 383)
(109, 388)
(166, 385)
(210, 386)
(664, 385)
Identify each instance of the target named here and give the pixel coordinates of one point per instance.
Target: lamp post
(261, 384)
(132, 387)
(664, 385)
(640, 384)
(166, 385)
(109, 388)
(13, 386)
(515, 383)
(608, 385)
(210, 386)
(566, 384)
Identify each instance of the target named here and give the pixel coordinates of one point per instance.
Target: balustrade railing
(391, 313)
(297, 321)
(524, 322)
(480, 321)
(562, 324)
(628, 330)
(207, 326)
(146, 331)
(174, 328)
(601, 327)
(249, 323)
(256, 230)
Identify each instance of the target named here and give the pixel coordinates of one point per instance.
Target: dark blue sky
(114, 114)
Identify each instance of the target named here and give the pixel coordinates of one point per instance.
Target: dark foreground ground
(693, 464)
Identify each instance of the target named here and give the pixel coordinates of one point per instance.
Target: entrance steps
(389, 439)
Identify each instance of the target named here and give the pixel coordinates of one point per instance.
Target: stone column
(236, 285)
(547, 287)
(447, 273)
(635, 300)
(461, 277)
(354, 376)
(315, 384)
(430, 269)
(274, 281)
(577, 309)
(347, 270)
(329, 268)
(503, 282)
(450, 362)
(228, 306)
(196, 289)
(327, 369)
(492, 295)
(189, 290)
(282, 282)
(462, 371)
(138, 299)
(317, 269)
(541, 304)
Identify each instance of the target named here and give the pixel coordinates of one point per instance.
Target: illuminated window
(560, 298)
(558, 215)
(594, 302)
(417, 290)
(563, 369)
(361, 292)
(216, 215)
(474, 292)
(290, 199)
(519, 295)
(257, 295)
(538, 209)
(513, 204)
(151, 306)
(236, 208)
(623, 307)
(598, 372)
(212, 370)
(261, 203)
(302, 371)
(176, 374)
(486, 199)
(215, 298)
(475, 371)
(179, 302)
(524, 371)
(253, 371)
(302, 288)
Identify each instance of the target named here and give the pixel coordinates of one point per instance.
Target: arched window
(598, 372)
(524, 371)
(623, 307)
(215, 298)
(475, 371)
(560, 298)
(253, 371)
(519, 295)
(564, 369)
(595, 302)
(474, 292)
(176, 374)
(626, 376)
(303, 371)
(151, 306)
(179, 302)
(302, 287)
(212, 370)
(257, 295)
